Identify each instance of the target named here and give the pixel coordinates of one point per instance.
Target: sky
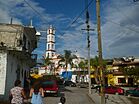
(119, 24)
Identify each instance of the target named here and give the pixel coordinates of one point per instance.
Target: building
(119, 65)
(50, 52)
(17, 43)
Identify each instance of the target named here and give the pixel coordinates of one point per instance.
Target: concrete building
(16, 45)
(116, 74)
(50, 52)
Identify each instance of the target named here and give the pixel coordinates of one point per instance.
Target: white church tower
(50, 51)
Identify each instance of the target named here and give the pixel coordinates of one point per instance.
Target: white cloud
(120, 30)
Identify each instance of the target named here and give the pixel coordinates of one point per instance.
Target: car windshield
(48, 84)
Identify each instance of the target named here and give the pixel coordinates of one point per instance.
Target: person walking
(36, 93)
(17, 94)
(62, 100)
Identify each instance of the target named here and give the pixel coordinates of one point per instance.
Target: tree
(94, 63)
(132, 72)
(47, 62)
(67, 58)
(82, 65)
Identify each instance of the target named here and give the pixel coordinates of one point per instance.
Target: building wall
(10, 35)
(3, 70)
(17, 44)
(14, 69)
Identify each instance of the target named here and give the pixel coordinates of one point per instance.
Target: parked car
(70, 83)
(114, 90)
(82, 85)
(50, 87)
(132, 92)
(94, 86)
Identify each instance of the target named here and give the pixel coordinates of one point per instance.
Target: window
(48, 55)
(52, 54)
(52, 38)
(121, 80)
(52, 46)
(48, 46)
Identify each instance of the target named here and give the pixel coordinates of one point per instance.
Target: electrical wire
(122, 13)
(119, 23)
(41, 16)
(76, 18)
(121, 26)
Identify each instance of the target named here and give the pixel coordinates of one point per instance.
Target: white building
(50, 52)
(16, 45)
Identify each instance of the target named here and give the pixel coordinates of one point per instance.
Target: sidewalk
(112, 99)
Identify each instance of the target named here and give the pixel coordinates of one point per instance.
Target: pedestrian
(36, 93)
(62, 100)
(17, 94)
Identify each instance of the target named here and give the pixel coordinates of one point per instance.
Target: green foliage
(67, 57)
(130, 71)
(82, 65)
(94, 62)
(46, 61)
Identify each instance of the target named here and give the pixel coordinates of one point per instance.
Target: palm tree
(67, 58)
(95, 64)
(83, 65)
(47, 61)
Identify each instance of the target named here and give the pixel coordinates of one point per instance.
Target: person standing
(17, 93)
(36, 92)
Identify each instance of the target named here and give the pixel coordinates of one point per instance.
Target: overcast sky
(119, 24)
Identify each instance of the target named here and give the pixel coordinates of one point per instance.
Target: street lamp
(38, 34)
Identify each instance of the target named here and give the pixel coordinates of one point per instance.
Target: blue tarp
(67, 75)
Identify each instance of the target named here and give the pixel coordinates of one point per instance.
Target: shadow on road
(134, 100)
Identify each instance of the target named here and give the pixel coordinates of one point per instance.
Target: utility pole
(100, 52)
(88, 46)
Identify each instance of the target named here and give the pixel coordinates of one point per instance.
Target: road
(134, 100)
(73, 95)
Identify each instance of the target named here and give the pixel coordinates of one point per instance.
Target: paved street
(114, 99)
(73, 95)
(76, 95)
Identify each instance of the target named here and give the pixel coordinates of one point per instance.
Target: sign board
(2, 72)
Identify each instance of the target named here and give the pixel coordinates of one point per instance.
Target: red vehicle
(50, 87)
(114, 90)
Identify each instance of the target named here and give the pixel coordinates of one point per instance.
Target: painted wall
(3, 63)
(14, 69)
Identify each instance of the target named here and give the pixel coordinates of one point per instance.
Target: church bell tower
(50, 51)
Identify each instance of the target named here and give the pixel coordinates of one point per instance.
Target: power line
(76, 18)
(122, 13)
(122, 26)
(41, 16)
